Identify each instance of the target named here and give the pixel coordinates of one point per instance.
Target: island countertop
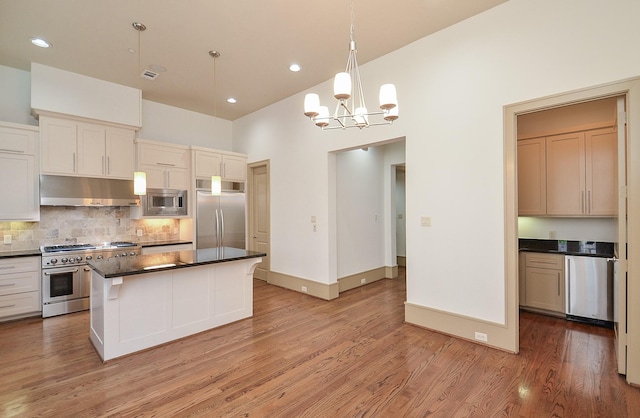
(128, 266)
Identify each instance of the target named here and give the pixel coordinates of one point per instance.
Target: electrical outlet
(363, 281)
(480, 336)
(7, 239)
(139, 232)
(304, 289)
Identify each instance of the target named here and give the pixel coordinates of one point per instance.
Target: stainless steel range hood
(86, 191)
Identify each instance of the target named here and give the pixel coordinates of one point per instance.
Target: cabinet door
(119, 151)
(58, 146)
(544, 289)
(207, 164)
(565, 175)
(91, 159)
(178, 178)
(18, 188)
(234, 168)
(601, 148)
(532, 177)
(156, 176)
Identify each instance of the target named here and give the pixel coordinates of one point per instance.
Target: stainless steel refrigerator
(220, 220)
(589, 288)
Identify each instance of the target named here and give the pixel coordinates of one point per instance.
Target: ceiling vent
(149, 75)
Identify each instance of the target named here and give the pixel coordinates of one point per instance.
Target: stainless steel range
(66, 277)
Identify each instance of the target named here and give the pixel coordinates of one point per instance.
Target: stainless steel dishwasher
(589, 289)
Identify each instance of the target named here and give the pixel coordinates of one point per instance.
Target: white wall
(179, 126)
(15, 96)
(360, 210)
(575, 229)
(452, 87)
(160, 122)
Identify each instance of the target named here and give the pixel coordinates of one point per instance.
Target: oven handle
(46, 273)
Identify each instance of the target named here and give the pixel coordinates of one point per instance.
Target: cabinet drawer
(19, 265)
(19, 282)
(542, 260)
(167, 156)
(17, 141)
(20, 304)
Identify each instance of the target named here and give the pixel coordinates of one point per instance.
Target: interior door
(259, 221)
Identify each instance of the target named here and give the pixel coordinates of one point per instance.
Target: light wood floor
(303, 357)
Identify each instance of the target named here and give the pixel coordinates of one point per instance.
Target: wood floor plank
(299, 356)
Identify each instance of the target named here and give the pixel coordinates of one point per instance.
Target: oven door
(61, 284)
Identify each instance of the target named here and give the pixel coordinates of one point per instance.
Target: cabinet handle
(558, 283)
(7, 285)
(166, 164)
(589, 201)
(12, 151)
(103, 172)
(7, 268)
(582, 201)
(7, 306)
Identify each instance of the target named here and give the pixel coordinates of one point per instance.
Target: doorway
(259, 216)
(631, 91)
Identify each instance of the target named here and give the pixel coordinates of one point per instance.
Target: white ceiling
(257, 39)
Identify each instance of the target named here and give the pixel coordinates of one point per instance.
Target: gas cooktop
(79, 247)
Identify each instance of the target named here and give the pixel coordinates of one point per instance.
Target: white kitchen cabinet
(19, 173)
(229, 166)
(76, 148)
(20, 287)
(544, 281)
(167, 165)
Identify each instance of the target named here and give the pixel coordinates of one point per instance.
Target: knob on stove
(54, 261)
(64, 259)
(78, 258)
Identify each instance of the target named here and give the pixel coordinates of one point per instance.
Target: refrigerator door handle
(217, 228)
(221, 228)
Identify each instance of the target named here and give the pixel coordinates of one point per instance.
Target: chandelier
(354, 114)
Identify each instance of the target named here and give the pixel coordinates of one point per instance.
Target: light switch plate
(7, 239)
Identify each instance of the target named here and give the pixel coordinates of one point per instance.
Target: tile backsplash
(71, 225)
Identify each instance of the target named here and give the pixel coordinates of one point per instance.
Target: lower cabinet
(543, 282)
(20, 287)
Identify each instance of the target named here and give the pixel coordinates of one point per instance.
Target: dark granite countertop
(128, 266)
(20, 253)
(582, 248)
(163, 243)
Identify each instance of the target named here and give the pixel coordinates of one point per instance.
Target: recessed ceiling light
(294, 67)
(231, 100)
(42, 43)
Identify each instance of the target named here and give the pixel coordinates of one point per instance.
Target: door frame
(252, 205)
(631, 89)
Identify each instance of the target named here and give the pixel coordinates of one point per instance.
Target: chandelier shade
(351, 109)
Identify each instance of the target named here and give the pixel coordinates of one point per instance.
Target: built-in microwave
(164, 202)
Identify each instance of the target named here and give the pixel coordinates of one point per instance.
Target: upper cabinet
(230, 166)
(78, 148)
(582, 173)
(19, 173)
(168, 166)
(532, 177)
(571, 174)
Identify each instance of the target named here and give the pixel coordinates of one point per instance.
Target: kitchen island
(140, 302)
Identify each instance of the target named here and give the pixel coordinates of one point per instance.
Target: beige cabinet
(543, 282)
(19, 287)
(19, 173)
(229, 166)
(582, 173)
(167, 165)
(71, 147)
(532, 177)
